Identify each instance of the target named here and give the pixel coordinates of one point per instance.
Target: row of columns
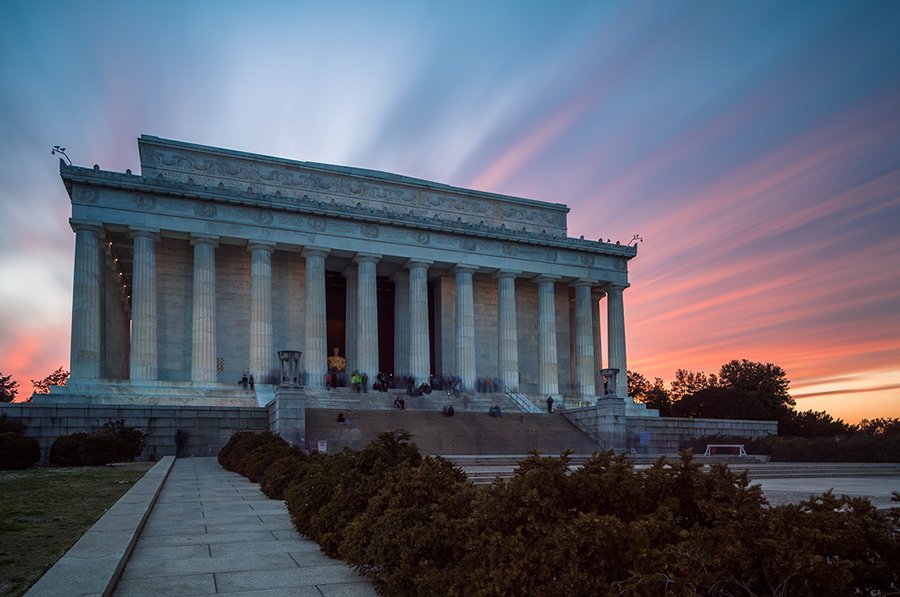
(411, 318)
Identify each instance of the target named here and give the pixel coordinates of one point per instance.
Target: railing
(521, 401)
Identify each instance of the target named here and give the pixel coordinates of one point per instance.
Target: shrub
(97, 449)
(8, 424)
(18, 451)
(129, 440)
(65, 450)
(282, 473)
(234, 453)
(262, 457)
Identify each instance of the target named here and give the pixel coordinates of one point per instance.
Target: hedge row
(859, 447)
(114, 442)
(416, 526)
(17, 451)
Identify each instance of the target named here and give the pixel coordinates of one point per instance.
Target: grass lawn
(45, 510)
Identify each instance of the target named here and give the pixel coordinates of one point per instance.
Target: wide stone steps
(465, 433)
(345, 398)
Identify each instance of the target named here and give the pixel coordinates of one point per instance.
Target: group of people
(247, 381)
(488, 385)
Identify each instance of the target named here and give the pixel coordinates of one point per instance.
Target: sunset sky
(755, 146)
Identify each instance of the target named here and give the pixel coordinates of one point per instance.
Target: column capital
(261, 245)
(139, 232)
(543, 278)
(507, 273)
(205, 239)
(418, 263)
(314, 252)
(614, 287)
(583, 282)
(79, 225)
(367, 258)
(464, 269)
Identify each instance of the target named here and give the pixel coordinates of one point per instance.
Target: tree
(768, 382)
(812, 424)
(658, 397)
(721, 403)
(889, 427)
(638, 386)
(57, 378)
(688, 382)
(8, 388)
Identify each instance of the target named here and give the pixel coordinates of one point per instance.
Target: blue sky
(754, 145)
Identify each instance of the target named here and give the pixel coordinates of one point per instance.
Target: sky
(754, 146)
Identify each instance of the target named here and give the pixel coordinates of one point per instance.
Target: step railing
(522, 401)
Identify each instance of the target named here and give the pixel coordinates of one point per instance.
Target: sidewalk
(212, 532)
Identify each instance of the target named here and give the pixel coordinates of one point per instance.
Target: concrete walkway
(212, 532)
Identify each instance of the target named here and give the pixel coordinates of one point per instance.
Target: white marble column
(509, 336)
(584, 339)
(419, 345)
(262, 352)
(548, 373)
(615, 323)
(203, 328)
(596, 297)
(465, 327)
(350, 316)
(367, 315)
(86, 340)
(315, 359)
(144, 350)
(401, 324)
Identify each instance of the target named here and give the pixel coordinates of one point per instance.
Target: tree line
(744, 389)
(9, 388)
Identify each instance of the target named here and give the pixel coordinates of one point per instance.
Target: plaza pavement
(213, 532)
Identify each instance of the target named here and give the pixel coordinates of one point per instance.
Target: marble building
(197, 271)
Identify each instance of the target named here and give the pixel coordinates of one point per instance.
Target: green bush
(114, 442)
(282, 473)
(417, 526)
(98, 449)
(8, 424)
(233, 455)
(262, 457)
(65, 450)
(129, 440)
(18, 451)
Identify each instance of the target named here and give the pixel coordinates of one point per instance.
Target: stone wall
(659, 435)
(486, 325)
(174, 283)
(208, 427)
(289, 301)
(232, 312)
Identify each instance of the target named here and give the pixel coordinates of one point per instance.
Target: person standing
(549, 404)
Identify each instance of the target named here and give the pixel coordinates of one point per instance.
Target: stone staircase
(466, 433)
(345, 399)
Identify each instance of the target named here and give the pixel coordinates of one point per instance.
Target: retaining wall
(207, 427)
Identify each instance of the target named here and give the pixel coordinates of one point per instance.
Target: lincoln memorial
(219, 291)
(197, 272)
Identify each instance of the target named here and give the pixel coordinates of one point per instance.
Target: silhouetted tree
(638, 386)
(8, 388)
(658, 397)
(721, 403)
(57, 378)
(812, 424)
(688, 382)
(766, 381)
(889, 427)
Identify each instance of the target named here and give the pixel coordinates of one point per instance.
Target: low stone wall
(665, 434)
(207, 427)
(660, 435)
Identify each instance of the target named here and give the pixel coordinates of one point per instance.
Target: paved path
(212, 532)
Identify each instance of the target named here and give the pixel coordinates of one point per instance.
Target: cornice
(96, 178)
